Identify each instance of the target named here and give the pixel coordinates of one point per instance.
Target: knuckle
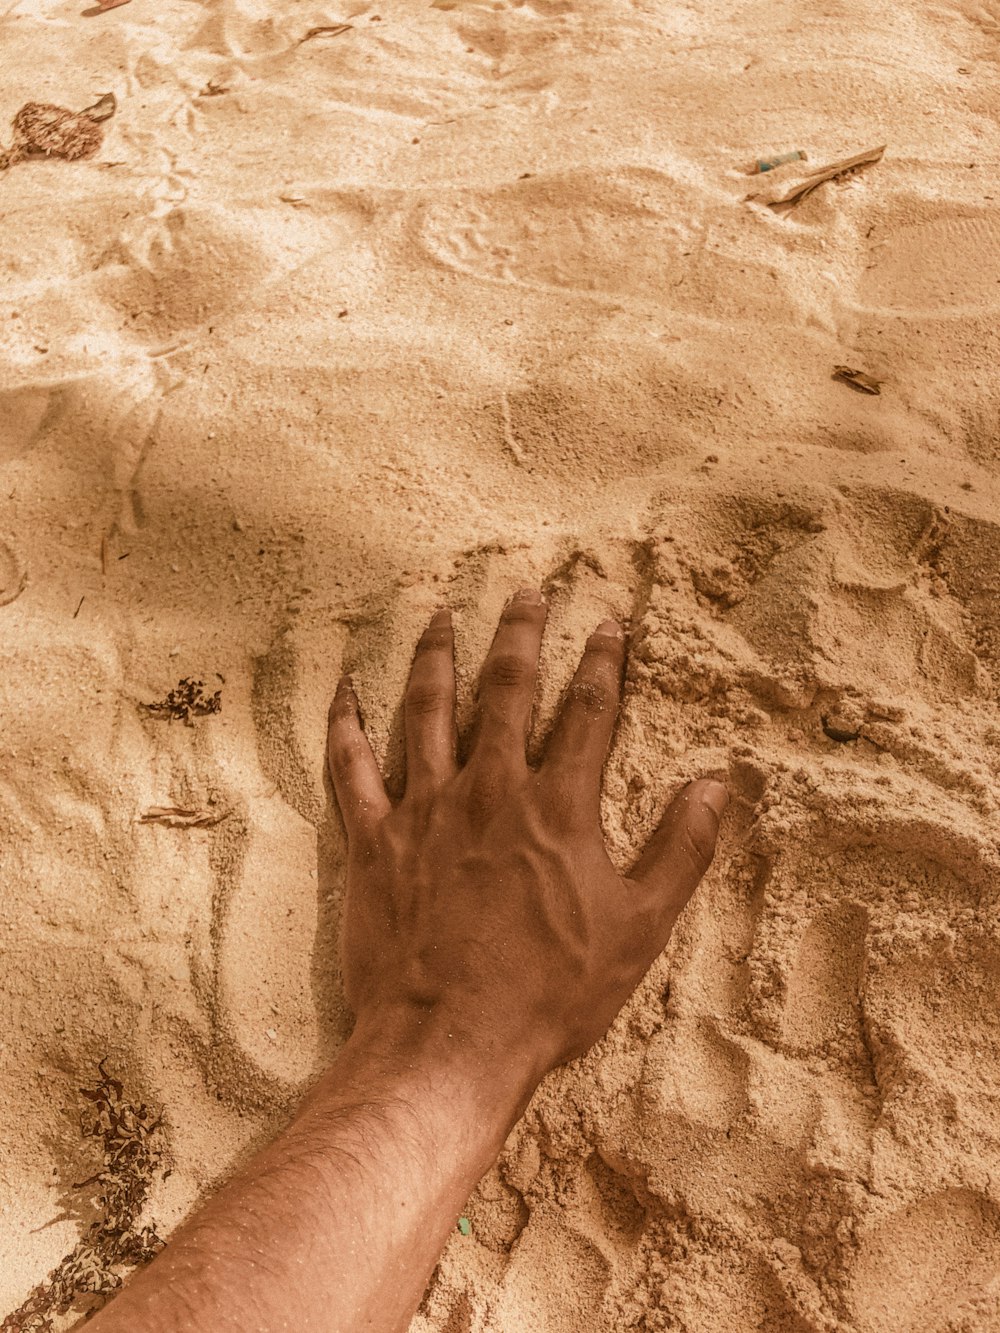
(614, 644)
(697, 844)
(591, 696)
(435, 638)
(569, 801)
(522, 613)
(507, 670)
(486, 788)
(344, 753)
(606, 649)
(427, 697)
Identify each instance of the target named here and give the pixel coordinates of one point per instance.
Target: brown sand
(470, 295)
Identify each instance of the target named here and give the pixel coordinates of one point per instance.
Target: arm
(338, 1224)
(487, 939)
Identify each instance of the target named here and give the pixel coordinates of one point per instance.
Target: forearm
(337, 1225)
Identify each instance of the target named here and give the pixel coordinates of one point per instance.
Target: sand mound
(469, 295)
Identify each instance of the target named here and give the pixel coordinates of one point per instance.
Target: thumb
(680, 851)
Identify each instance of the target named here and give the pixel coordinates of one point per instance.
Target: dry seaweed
(115, 1243)
(185, 701)
(44, 130)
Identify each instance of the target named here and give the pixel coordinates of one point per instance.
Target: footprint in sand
(937, 1005)
(529, 1299)
(882, 589)
(942, 265)
(243, 32)
(822, 987)
(694, 1071)
(968, 565)
(933, 1267)
(277, 992)
(566, 231)
(170, 274)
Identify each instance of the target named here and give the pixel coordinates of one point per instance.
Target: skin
(487, 939)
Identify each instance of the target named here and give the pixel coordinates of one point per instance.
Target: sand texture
(328, 332)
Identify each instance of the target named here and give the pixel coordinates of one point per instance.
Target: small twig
(103, 109)
(77, 611)
(174, 817)
(326, 30)
(103, 7)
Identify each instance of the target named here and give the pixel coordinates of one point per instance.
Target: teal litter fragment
(769, 163)
(464, 1225)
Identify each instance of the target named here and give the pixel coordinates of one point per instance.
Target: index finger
(354, 769)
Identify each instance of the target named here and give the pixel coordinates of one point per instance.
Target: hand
(485, 900)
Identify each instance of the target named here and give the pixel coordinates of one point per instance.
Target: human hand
(485, 899)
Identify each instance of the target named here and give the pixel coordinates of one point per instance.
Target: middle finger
(507, 681)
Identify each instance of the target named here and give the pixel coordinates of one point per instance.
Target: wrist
(476, 1083)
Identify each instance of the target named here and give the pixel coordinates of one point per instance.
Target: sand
(328, 333)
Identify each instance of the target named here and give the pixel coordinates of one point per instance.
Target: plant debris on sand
(114, 1243)
(186, 701)
(44, 130)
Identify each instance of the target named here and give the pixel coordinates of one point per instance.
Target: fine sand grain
(468, 295)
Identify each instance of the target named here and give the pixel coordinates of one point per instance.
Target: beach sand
(330, 332)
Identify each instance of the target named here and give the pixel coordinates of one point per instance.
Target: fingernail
(345, 683)
(716, 797)
(610, 627)
(531, 595)
(441, 617)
